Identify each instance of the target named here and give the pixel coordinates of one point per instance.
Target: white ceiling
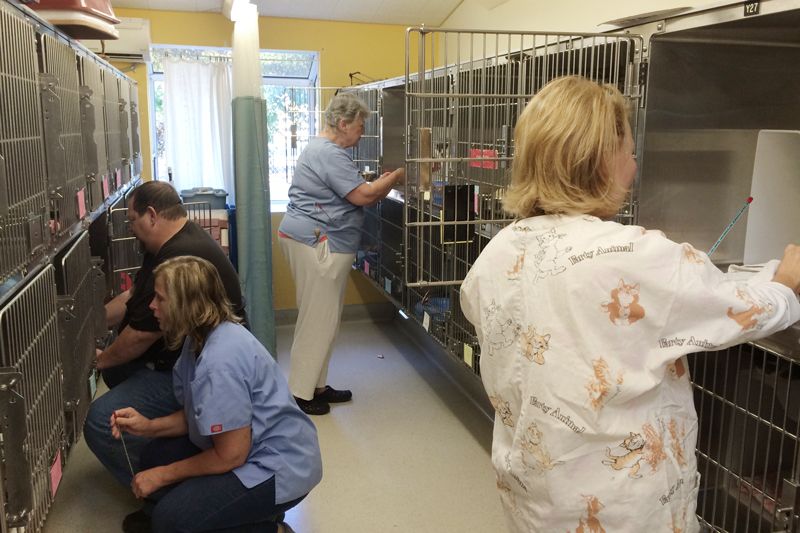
(404, 12)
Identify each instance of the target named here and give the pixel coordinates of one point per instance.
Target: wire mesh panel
(464, 92)
(29, 345)
(113, 128)
(125, 131)
(136, 145)
(93, 127)
(125, 255)
(23, 189)
(78, 306)
(748, 404)
(63, 139)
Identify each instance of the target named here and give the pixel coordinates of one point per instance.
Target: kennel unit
(703, 85)
(449, 121)
(67, 125)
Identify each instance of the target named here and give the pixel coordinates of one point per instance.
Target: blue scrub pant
(209, 503)
(149, 392)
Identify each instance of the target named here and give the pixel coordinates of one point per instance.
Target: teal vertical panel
(253, 225)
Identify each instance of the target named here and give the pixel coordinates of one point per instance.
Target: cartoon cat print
(534, 345)
(754, 316)
(637, 447)
(691, 255)
(677, 435)
(589, 522)
(600, 384)
(533, 447)
(500, 332)
(547, 261)
(503, 410)
(516, 268)
(624, 308)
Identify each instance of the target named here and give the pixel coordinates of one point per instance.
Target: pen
(730, 225)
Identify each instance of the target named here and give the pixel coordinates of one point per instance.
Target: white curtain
(198, 124)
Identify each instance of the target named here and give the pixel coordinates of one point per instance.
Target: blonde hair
(196, 302)
(565, 141)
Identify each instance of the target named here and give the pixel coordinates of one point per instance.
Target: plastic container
(215, 197)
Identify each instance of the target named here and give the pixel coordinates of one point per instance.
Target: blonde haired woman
(240, 452)
(584, 325)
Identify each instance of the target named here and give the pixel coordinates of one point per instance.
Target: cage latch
(789, 501)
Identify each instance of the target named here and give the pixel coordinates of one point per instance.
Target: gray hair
(347, 107)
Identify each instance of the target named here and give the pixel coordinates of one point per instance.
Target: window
(289, 80)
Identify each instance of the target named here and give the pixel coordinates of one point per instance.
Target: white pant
(320, 277)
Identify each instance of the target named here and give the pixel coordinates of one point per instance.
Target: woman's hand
(788, 272)
(148, 481)
(130, 421)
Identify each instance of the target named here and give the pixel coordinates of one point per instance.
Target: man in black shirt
(137, 367)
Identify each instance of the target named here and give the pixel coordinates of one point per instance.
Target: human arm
(788, 271)
(130, 344)
(115, 309)
(370, 192)
(230, 450)
(131, 421)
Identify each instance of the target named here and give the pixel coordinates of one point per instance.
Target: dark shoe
(332, 395)
(137, 522)
(313, 407)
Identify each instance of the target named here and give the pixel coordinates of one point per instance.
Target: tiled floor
(410, 453)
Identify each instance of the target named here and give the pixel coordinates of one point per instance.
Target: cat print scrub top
(583, 326)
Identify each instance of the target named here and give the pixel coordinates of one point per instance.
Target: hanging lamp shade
(80, 19)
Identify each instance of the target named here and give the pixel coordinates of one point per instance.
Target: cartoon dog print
(533, 446)
(501, 332)
(534, 345)
(503, 410)
(634, 448)
(589, 523)
(755, 316)
(624, 308)
(691, 255)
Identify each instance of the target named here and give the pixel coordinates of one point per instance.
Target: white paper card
(426, 321)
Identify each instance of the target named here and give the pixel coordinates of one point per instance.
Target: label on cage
(119, 178)
(426, 196)
(92, 383)
(80, 197)
(104, 181)
(485, 158)
(752, 7)
(366, 268)
(125, 281)
(387, 285)
(426, 321)
(469, 357)
(476, 202)
(55, 474)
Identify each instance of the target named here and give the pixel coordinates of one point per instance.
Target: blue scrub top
(236, 383)
(325, 173)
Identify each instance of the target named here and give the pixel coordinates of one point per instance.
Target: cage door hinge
(789, 502)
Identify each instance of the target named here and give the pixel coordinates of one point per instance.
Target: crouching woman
(240, 452)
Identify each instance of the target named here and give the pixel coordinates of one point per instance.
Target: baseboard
(376, 312)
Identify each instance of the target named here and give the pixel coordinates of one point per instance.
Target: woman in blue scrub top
(240, 452)
(319, 236)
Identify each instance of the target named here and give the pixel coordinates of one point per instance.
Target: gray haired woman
(319, 236)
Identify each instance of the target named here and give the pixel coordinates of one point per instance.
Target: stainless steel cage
(125, 255)
(23, 186)
(113, 130)
(30, 346)
(66, 174)
(80, 311)
(93, 128)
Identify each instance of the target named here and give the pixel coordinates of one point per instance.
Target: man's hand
(130, 421)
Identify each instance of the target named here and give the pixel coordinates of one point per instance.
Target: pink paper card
(80, 196)
(483, 154)
(366, 268)
(55, 474)
(106, 192)
(119, 178)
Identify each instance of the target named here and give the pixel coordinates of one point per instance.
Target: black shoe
(313, 407)
(332, 395)
(137, 522)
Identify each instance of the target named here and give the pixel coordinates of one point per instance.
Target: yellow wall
(375, 50)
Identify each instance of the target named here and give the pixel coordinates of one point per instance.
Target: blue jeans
(209, 503)
(149, 392)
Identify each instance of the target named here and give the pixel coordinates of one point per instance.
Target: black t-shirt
(190, 240)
